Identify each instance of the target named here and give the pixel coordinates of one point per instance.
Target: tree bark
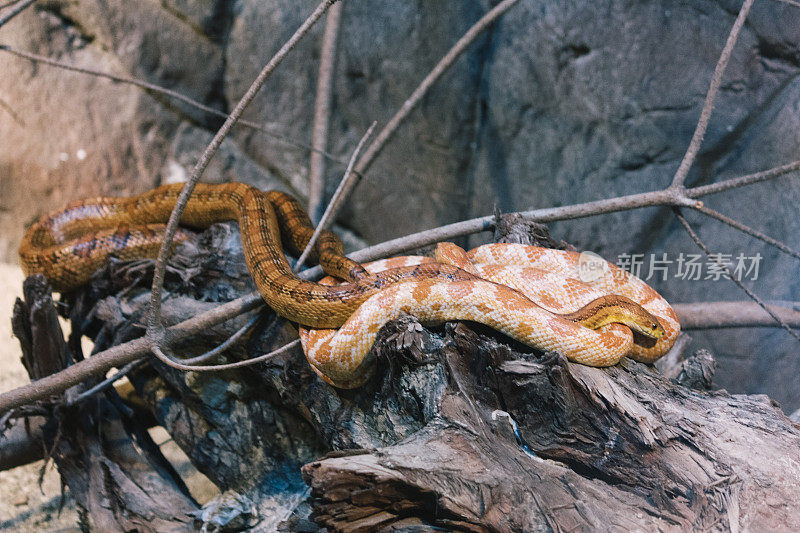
(104, 454)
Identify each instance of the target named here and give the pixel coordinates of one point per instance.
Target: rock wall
(557, 103)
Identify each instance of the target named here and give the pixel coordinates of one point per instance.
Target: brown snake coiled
(67, 246)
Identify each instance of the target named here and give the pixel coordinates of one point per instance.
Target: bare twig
(441, 67)
(730, 274)
(124, 353)
(183, 364)
(714, 188)
(712, 315)
(666, 197)
(175, 363)
(169, 93)
(748, 230)
(337, 200)
(106, 383)
(155, 328)
(322, 113)
(794, 3)
(10, 110)
(221, 348)
(13, 11)
(708, 105)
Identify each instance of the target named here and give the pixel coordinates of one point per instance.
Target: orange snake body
(528, 293)
(68, 245)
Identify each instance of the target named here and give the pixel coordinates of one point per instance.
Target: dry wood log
(523, 443)
(112, 467)
(460, 429)
(21, 443)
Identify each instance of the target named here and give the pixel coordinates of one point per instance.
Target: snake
(532, 294)
(68, 245)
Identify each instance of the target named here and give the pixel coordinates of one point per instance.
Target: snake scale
(531, 294)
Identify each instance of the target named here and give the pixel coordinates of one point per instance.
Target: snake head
(618, 309)
(642, 321)
(638, 318)
(654, 329)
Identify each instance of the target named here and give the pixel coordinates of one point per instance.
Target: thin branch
(337, 201)
(711, 95)
(730, 275)
(21, 6)
(794, 3)
(224, 346)
(666, 197)
(155, 328)
(36, 58)
(176, 363)
(122, 354)
(713, 315)
(106, 383)
(183, 363)
(441, 67)
(748, 230)
(749, 179)
(322, 112)
(10, 110)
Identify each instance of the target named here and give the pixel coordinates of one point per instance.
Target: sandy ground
(24, 506)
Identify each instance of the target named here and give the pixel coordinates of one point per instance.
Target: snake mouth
(615, 309)
(649, 328)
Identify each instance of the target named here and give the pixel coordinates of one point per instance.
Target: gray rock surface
(558, 103)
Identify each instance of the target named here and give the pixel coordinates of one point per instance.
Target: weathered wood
(112, 467)
(461, 428)
(612, 449)
(21, 442)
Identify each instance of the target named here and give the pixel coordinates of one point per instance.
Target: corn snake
(69, 244)
(528, 293)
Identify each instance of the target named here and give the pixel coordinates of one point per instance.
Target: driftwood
(113, 468)
(461, 428)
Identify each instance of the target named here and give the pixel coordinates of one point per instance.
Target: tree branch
(36, 58)
(337, 200)
(794, 3)
(730, 275)
(10, 110)
(176, 363)
(13, 11)
(749, 179)
(748, 230)
(119, 355)
(322, 113)
(711, 95)
(712, 315)
(154, 327)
